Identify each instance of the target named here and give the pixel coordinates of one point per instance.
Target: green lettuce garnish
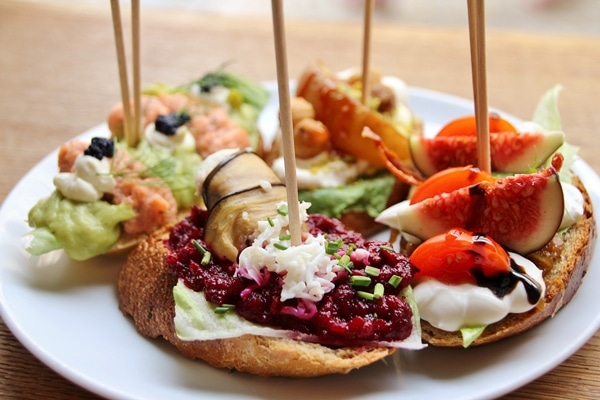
(197, 319)
(546, 113)
(471, 333)
(547, 116)
(82, 230)
(364, 195)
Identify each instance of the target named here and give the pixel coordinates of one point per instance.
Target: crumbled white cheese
(307, 270)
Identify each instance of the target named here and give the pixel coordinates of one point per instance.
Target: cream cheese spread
(452, 307)
(323, 171)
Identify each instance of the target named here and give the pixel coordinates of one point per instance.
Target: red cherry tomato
(449, 180)
(466, 126)
(451, 257)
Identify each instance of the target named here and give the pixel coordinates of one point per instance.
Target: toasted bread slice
(564, 262)
(145, 288)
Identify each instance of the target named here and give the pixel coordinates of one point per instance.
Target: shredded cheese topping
(307, 270)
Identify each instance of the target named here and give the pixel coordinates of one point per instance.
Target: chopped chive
(206, 256)
(222, 309)
(365, 295)
(372, 271)
(333, 247)
(285, 237)
(395, 280)
(378, 291)
(280, 246)
(198, 246)
(345, 262)
(270, 221)
(388, 248)
(358, 280)
(282, 210)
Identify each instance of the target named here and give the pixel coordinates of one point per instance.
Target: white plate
(66, 314)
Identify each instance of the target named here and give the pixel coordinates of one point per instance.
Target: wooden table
(58, 77)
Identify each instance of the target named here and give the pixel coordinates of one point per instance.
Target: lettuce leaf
(197, 319)
(546, 113)
(368, 195)
(471, 333)
(547, 116)
(82, 230)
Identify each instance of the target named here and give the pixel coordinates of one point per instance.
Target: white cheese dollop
(323, 171)
(89, 181)
(307, 270)
(574, 205)
(452, 307)
(182, 139)
(217, 95)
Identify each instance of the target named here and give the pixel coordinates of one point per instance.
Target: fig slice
(510, 152)
(521, 212)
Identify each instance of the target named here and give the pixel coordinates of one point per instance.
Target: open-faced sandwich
(227, 286)
(495, 254)
(109, 195)
(338, 171)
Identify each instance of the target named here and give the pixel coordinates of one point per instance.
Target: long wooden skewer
(366, 54)
(285, 115)
(137, 90)
(476, 9)
(118, 31)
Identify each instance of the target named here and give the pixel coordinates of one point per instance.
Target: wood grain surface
(58, 78)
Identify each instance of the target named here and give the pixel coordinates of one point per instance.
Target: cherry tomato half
(451, 256)
(467, 126)
(449, 180)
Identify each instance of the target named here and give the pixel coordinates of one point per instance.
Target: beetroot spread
(347, 315)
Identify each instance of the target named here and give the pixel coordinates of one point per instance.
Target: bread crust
(564, 262)
(145, 289)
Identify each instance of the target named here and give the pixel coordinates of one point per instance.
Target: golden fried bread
(145, 288)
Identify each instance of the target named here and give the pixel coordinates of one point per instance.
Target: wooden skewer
(476, 9)
(285, 116)
(137, 90)
(366, 55)
(118, 31)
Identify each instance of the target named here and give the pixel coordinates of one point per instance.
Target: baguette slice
(145, 289)
(564, 262)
